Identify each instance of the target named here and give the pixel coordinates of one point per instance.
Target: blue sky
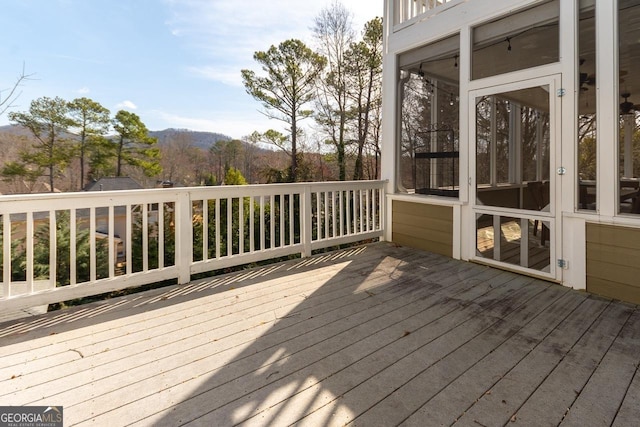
(175, 63)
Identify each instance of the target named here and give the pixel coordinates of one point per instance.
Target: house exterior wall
(423, 226)
(583, 238)
(613, 261)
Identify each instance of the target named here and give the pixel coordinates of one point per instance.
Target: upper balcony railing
(405, 10)
(58, 247)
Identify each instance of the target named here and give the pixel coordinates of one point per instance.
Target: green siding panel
(425, 227)
(613, 261)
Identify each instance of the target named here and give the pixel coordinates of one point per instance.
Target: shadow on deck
(376, 335)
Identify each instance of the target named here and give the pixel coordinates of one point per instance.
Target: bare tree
(334, 34)
(363, 63)
(8, 96)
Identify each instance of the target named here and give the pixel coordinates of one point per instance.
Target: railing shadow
(272, 365)
(288, 371)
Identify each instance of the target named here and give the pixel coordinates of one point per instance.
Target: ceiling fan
(627, 107)
(586, 79)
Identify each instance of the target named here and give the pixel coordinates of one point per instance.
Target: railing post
(306, 211)
(184, 239)
(382, 214)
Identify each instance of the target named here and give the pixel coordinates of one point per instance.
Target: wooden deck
(375, 336)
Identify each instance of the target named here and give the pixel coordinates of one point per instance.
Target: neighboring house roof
(113, 183)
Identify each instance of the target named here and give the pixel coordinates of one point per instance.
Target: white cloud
(83, 90)
(127, 105)
(227, 33)
(228, 75)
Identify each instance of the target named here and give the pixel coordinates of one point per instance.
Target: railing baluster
(333, 214)
(205, 229)
(318, 217)
(306, 226)
(217, 228)
(360, 211)
(272, 222)
(291, 221)
(241, 225)
(341, 194)
(326, 215)
(348, 206)
(229, 226)
(262, 231)
(282, 216)
(111, 240)
(129, 239)
(160, 234)
(53, 248)
(73, 242)
(405, 10)
(145, 237)
(92, 243)
(368, 210)
(6, 254)
(30, 251)
(252, 220)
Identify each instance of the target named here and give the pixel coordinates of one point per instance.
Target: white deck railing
(106, 241)
(405, 10)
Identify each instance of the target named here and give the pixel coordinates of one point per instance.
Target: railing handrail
(406, 10)
(199, 228)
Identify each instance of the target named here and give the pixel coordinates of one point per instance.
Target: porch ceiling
(536, 44)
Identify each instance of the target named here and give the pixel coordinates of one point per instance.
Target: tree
(364, 71)
(48, 121)
(225, 154)
(182, 161)
(134, 146)
(6, 101)
(292, 69)
(14, 171)
(234, 177)
(334, 33)
(92, 122)
(41, 267)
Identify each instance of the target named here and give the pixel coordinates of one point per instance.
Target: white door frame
(554, 216)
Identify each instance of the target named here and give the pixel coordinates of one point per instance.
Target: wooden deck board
(237, 382)
(377, 335)
(599, 401)
(514, 389)
(453, 400)
(377, 353)
(429, 377)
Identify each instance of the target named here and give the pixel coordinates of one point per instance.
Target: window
(629, 85)
(587, 143)
(513, 148)
(429, 123)
(518, 41)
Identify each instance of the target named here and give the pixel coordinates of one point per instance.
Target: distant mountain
(199, 139)
(202, 140)
(14, 130)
